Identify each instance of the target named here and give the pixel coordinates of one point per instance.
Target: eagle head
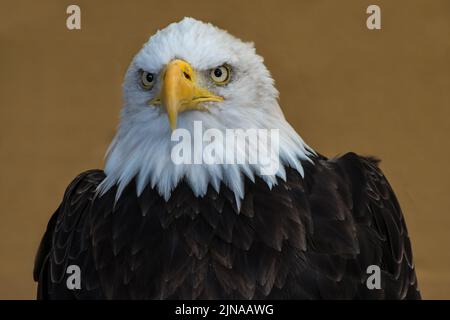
(193, 72)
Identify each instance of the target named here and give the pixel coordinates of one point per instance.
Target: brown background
(342, 86)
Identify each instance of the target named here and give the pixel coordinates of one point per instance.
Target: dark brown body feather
(310, 238)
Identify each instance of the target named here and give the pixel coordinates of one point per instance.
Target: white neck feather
(142, 150)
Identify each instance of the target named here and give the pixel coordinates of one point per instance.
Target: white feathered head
(194, 72)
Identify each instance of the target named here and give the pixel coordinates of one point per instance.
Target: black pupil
(149, 77)
(218, 72)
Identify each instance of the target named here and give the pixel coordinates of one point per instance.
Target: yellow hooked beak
(180, 92)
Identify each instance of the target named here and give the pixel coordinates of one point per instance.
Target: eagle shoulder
(61, 241)
(380, 225)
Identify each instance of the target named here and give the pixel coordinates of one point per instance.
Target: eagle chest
(199, 247)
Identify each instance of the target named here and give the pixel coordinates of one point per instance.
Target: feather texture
(306, 238)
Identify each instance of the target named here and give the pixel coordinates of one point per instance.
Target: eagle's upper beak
(180, 91)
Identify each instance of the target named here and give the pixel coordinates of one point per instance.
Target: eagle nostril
(187, 76)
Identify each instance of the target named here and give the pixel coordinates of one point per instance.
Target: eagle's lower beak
(180, 92)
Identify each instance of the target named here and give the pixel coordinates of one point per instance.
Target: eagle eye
(221, 75)
(147, 80)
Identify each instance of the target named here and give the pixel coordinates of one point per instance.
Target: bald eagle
(146, 227)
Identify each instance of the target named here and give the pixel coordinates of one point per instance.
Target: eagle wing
(368, 229)
(66, 240)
